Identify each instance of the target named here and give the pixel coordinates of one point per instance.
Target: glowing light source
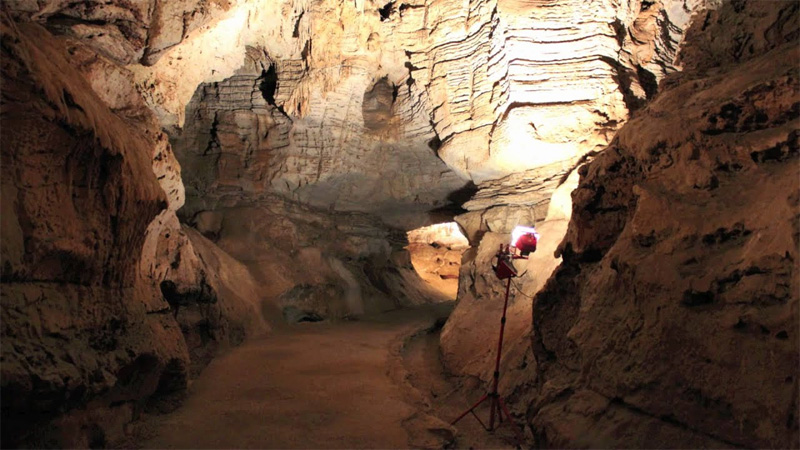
(524, 239)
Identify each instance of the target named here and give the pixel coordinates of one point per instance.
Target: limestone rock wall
(673, 318)
(368, 87)
(212, 296)
(125, 32)
(83, 343)
(90, 188)
(239, 145)
(436, 253)
(312, 133)
(350, 106)
(498, 78)
(314, 263)
(354, 90)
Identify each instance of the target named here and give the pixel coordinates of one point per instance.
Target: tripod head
(523, 243)
(504, 265)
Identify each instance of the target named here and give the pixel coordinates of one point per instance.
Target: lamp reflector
(524, 239)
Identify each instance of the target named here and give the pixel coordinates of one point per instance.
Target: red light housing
(524, 239)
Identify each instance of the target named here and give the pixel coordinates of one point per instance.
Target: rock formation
(89, 198)
(78, 193)
(124, 32)
(239, 145)
(436, 253)
(488, 75)
(673, 319)
(298, 254)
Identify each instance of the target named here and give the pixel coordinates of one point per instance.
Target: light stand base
(497, 405)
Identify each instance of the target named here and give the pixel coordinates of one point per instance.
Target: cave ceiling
(391, 108)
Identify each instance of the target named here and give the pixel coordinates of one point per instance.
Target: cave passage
(273, 224)
(372, 383)
(436, 255)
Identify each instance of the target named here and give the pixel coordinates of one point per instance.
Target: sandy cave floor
(372, 383)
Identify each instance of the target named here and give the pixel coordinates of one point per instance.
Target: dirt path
(447, 397)
(372, 383)
(317, 385)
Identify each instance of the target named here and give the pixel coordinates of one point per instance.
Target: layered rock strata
(312, 125)
(124, 32)
(673, 318)
(89, 198)
(487, 83)
(321, 115)
(239, 145)
(499, 77)
(316, 264)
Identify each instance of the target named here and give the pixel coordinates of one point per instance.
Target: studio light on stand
(523, 243)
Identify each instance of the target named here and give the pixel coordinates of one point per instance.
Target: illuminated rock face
(365, 88)
(125, 32)
(351, 152)
(436, 253)
(673, 318)
(275, 107)
(514, 85)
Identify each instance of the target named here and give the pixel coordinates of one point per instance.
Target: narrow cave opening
(436, 252)
(386, 11)
(269, 84)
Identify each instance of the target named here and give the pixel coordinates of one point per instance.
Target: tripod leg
(479, 420)
(520, 438)
(485, 396)
(492, 411)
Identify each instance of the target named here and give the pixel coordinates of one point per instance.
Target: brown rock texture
(499, 77)
(80, 342)
(317, 264)
(436, 253)
(314, 134)
(349, 106)
(673, 318)
(90, 189)
(239, 145)
(213, 297)
(352, 91)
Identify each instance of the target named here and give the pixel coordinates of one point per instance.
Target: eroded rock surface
(317, 263)
(673, 319)
(436, 252)
(310, 133)
(239, 145)
(486, 84)
(82, 343)
(89, 232)
(125, 32)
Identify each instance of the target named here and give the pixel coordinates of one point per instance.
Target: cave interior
(273, 223)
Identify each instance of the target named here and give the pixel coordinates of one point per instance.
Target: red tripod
(504, 270)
